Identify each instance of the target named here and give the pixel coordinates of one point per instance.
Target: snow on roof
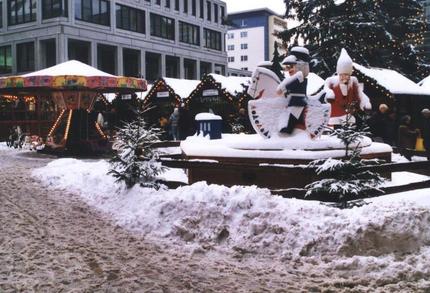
(182, 87)
(232, 84)
(72, 67)
(393, 81)
(425, 83)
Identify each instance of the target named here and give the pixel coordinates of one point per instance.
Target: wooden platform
(270, 173)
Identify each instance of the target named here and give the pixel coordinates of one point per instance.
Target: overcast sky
(277, 6)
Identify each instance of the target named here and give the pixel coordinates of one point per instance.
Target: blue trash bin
(209, 124)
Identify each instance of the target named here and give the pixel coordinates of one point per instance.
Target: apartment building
(148, 38)
(251, 38)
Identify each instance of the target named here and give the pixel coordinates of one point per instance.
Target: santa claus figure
(293, 87)
(344, 93)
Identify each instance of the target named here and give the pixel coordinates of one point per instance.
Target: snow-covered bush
(345, 179)
(136, 161)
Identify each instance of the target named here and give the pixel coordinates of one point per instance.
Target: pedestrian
(425, 131)
(378, 123)
(174, 121)
(407, 137)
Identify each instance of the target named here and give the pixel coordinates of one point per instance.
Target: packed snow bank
(248, 219)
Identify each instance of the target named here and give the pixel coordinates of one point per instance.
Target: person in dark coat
(425, 132)
(294, 88)
(407, 136)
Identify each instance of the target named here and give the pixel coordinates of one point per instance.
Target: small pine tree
(276, 62)
(135, 160)
(345, 179)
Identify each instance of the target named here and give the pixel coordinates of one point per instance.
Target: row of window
(81, 50)
(242, 47)
(243, 34)
(242, 58)
(98, 11)
(127, 18)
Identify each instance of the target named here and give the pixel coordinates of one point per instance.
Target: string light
(56, 123)
(100, 131)
(69, 120)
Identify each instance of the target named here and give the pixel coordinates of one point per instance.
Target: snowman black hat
(297, 54)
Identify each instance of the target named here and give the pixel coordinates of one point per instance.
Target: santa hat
(344, 63)
(297, 54)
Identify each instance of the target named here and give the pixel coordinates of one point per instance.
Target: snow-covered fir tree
(383, 33)
(135, 160)
(345, 179)
(276, 62)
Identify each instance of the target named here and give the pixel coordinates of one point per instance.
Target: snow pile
(248, 220)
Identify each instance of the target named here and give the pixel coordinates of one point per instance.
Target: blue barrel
(209, 124)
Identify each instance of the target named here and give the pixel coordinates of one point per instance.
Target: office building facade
(148, 38)
(251, 37)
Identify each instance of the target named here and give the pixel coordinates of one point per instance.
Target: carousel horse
(268, 107)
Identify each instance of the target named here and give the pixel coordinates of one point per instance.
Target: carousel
(74, 88)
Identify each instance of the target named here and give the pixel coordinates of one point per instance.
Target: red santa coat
(341, 102)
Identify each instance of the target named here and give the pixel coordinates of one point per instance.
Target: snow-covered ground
(387, 239)
(250, 219)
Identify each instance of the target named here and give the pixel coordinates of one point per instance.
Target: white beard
(344, 89)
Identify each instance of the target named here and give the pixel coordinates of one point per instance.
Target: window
(193, 7)
(158, 2)
(215, 12)
(243, 46)
(163, 27)
(189, 33)
(230, 59)
(202, 9)
(1, 14)
(230, 47)
(245, 68)
(230, 36)
(131, 62)
(167, 4)
(54, 8)
(177, 5)
(130, 19)
(106, 58)
(243, 34)
(209, 10)
(212, 39)
(185, 6)
(25, 56)
(95, 11)
(21, 11)
(244, 58)
(6, 59)
(222, 15)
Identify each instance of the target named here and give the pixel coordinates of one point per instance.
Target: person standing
(425, 132)
(344, 93)
(174, 121)
(407, 137)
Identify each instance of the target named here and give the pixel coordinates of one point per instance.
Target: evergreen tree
(344, 179)
(136, 160)
(382, 33)
(276, 62)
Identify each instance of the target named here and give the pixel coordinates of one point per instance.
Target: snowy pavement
(68, 217)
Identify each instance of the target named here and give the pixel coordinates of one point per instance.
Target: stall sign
(162, 94)
(210, 92)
